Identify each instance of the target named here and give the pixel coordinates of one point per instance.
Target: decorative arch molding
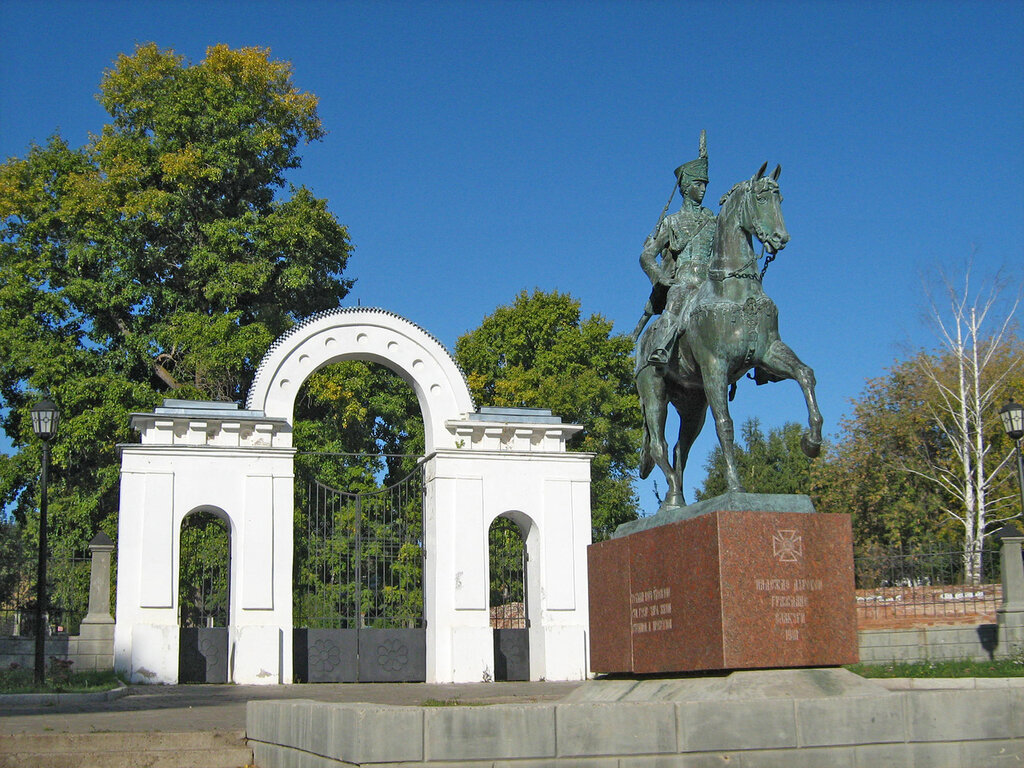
(523, 521)
(210, 509)
(374, 335)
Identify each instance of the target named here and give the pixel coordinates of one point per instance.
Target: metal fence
(895, 586)
(203, 572)
(508, 575)
(67, 591)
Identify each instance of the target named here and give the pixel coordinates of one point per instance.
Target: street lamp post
(44, 423)
(1012, 415)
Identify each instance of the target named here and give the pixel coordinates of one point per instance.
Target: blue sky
(476, 149)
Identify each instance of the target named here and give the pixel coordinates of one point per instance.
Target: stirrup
(658, 357)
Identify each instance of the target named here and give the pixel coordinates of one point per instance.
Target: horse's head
(761, 209)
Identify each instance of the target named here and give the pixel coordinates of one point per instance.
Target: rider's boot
(664, 340)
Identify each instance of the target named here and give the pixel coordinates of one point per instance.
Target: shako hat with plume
(695, 170)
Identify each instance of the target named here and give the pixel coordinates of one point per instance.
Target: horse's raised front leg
(783, 362)
(716, 386)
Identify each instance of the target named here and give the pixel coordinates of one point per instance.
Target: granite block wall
(954, 728)
(981, 642)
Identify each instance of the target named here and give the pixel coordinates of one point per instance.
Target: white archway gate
(480, 464)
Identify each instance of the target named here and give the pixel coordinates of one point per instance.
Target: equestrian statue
(713, 322)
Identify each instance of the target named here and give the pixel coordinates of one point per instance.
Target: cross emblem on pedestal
(788, 546)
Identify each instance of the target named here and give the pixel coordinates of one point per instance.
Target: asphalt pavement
(181, 708)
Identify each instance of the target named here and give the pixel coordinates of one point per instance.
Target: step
(200, 749)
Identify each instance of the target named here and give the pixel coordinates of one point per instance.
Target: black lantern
(45, 417)
(44, 420)
(1012, 415)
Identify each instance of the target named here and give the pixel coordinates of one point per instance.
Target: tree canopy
(539, 352)
(364, 422)
(896, 440)
(160, 259)
(923, 459)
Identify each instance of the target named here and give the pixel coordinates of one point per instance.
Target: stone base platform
(793, 718)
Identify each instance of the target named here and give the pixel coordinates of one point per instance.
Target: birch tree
(977, 357)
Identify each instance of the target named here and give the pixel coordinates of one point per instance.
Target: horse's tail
(642, 369)
(646, 460)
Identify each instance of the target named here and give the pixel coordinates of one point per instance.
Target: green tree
(539, 352)
(355, 407)
(507, 603)
(161, 258)
(976, 358)
(767, 464)
(13, 561)
(203, 571)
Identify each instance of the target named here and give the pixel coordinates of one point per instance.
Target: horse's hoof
(811, 448)
(674, 500)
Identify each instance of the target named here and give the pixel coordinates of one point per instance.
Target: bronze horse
(730, 326)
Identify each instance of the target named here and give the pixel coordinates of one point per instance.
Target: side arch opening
(508, 544)
(204, 596)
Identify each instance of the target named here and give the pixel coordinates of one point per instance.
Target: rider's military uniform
(686, 238)
(690, 235)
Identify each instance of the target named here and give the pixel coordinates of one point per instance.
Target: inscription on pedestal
(651, 610)
(789, 601)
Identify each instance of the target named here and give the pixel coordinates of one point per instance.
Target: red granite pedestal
(725, 590)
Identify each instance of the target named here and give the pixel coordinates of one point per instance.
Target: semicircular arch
(374, 335)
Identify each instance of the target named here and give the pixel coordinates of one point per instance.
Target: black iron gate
(358, 609)
(508, 607)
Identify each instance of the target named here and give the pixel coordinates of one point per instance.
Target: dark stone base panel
(511, 654)
(203, 655)
(392, 655)
(324, 656)
(366, 655)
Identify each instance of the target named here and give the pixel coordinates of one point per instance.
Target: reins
(767, 261)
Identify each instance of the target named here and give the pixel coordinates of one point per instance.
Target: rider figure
(684, 241)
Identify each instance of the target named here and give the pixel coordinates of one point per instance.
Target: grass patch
(1013, 667)
(451, 703)
(18, 679)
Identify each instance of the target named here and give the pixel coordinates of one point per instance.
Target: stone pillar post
(100, 548)
(93, 648)
(1011, 612)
